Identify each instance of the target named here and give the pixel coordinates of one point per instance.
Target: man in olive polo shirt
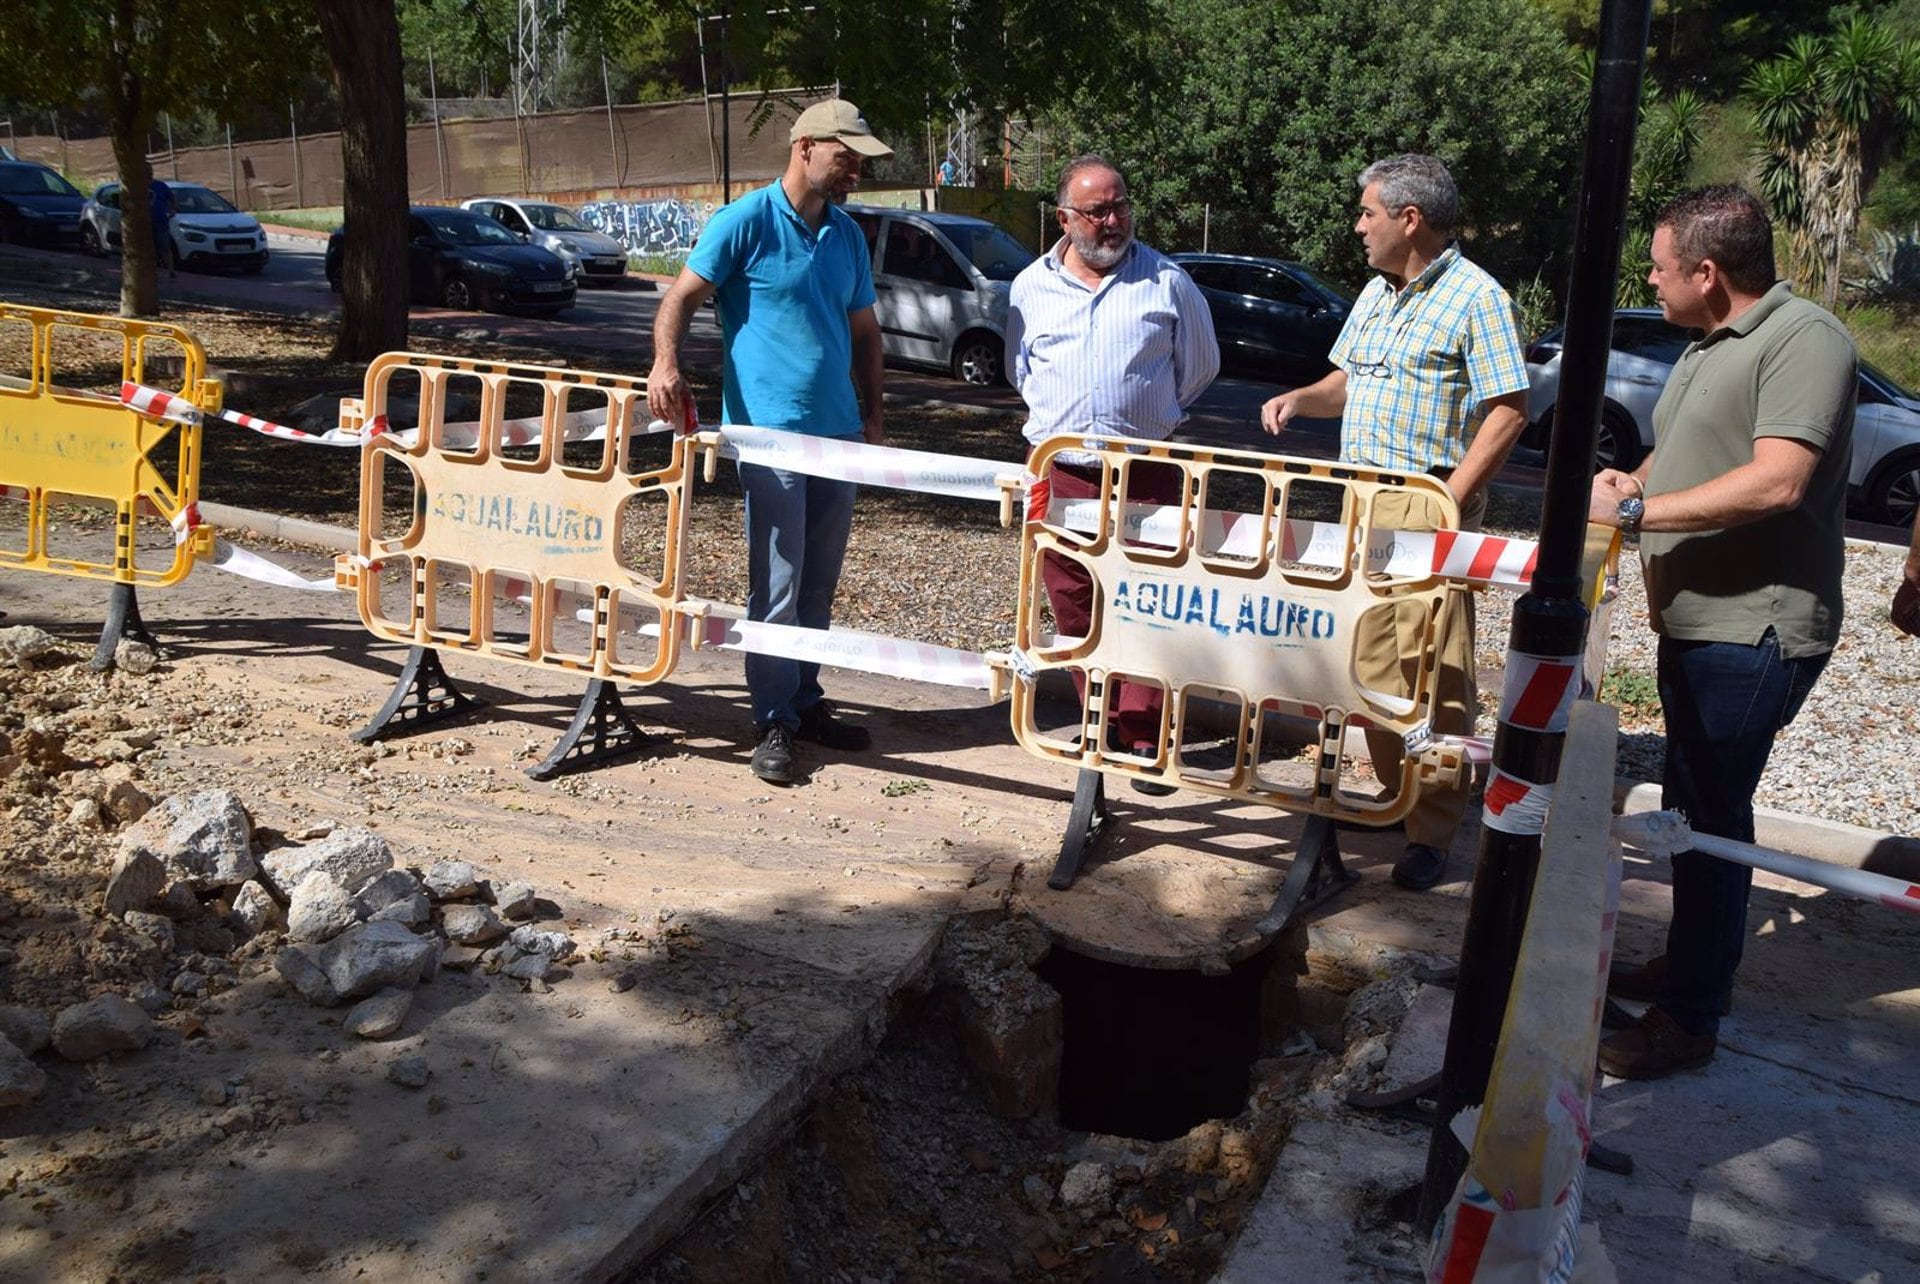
(1739, 511)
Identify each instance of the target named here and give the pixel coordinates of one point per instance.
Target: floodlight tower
(539, 53)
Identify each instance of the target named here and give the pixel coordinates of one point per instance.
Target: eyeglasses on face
(1113, 210)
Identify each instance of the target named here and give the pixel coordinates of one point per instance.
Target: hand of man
(1277, 413)
(1603, 508)
(873, 431)
(667, 393)
(1906, 599)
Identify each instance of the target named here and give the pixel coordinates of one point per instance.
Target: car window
(869, 228)
(1649, 337)
(554, 218)
(418, 229)
(915, 253)
(199, 200)
(1277, 287)
(509, 218)
(995, 254)
(1214, 276)
(108, 197)
(33, 180)
(464, 227)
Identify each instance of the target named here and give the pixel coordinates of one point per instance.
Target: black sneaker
(773, 756)
(818, 724)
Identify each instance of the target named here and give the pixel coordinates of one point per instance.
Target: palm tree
(1830, 112)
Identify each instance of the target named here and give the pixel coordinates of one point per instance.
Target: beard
(1100, 248)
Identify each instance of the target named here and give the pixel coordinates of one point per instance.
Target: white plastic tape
(1665, 833)
(235, 560)
(849, 459)
(845, 649)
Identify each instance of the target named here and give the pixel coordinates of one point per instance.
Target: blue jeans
(796, 540)
(1724, 702)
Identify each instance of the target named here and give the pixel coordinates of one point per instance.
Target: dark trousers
(1724, 703)
(1136, 707)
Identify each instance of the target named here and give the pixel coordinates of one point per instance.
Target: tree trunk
(128, 120)
(363, 42)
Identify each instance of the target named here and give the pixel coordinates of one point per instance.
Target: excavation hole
(1150, 1052)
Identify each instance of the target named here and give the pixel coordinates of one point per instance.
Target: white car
(941, 284)
(1884, 478)
(593, 255)
(205, 231)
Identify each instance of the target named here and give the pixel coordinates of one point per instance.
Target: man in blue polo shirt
(793, 284)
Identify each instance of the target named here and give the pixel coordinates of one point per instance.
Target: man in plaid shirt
(1429, 378)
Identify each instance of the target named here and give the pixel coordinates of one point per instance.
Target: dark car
(37, 205)
(1274, 319)
(462, 260)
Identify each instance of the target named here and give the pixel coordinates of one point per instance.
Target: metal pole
(706, 95)
(613, 135)
(173, 157)
(299, 187)
(1550, 620)
(726, 113)
(233, 173)
(439, 135)
(1206, 226)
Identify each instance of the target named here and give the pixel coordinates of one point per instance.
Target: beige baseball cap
(838, 119)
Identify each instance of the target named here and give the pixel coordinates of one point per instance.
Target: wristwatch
(1631, 510)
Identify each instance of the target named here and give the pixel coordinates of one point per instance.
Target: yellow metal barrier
(509, 529)
(61, 443)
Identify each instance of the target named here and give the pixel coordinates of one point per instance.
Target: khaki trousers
(1387, 655)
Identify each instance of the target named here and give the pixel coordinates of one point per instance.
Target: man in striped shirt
(1428, 377)
(1106, 336)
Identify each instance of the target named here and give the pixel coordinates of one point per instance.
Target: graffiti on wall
(668, 227)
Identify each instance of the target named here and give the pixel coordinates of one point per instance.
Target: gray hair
(1416, 180)
(1075, 167)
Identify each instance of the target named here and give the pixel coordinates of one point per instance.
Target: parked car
(206, 231)
(1273, 318)
(37, 205)
(941, 282)
(1884, 476)
(462, 260)
(595, 256)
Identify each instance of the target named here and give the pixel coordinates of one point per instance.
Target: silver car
(941, 283)
(205, 230)
(1884, 476)
(594, 256)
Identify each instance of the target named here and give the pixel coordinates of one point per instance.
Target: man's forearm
(670, 323)
(1324, 399)
(1487, 454)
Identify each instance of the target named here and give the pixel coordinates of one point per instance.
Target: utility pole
(1550, 620)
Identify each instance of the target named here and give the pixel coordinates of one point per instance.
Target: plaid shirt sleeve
(1495, 364)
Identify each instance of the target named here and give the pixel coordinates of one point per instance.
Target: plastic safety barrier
(1244, 601)
(485, 539)
(60, 443)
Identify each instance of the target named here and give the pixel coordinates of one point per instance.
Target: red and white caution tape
(580, 425)
(1538, 692)
(1665, 833)
(1470, 556)
(1515, 806)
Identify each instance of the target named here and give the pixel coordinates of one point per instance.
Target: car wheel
(977, 360)
(456, 294)
(1894, 495)
(90, 241)
(1618, 445)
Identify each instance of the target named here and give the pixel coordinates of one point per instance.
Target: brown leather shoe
(1654, 1049)
(1640, 982)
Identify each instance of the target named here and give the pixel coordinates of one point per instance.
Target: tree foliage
(1274, 109)
(130, 62)
(1830, 111)
(1670, 130)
